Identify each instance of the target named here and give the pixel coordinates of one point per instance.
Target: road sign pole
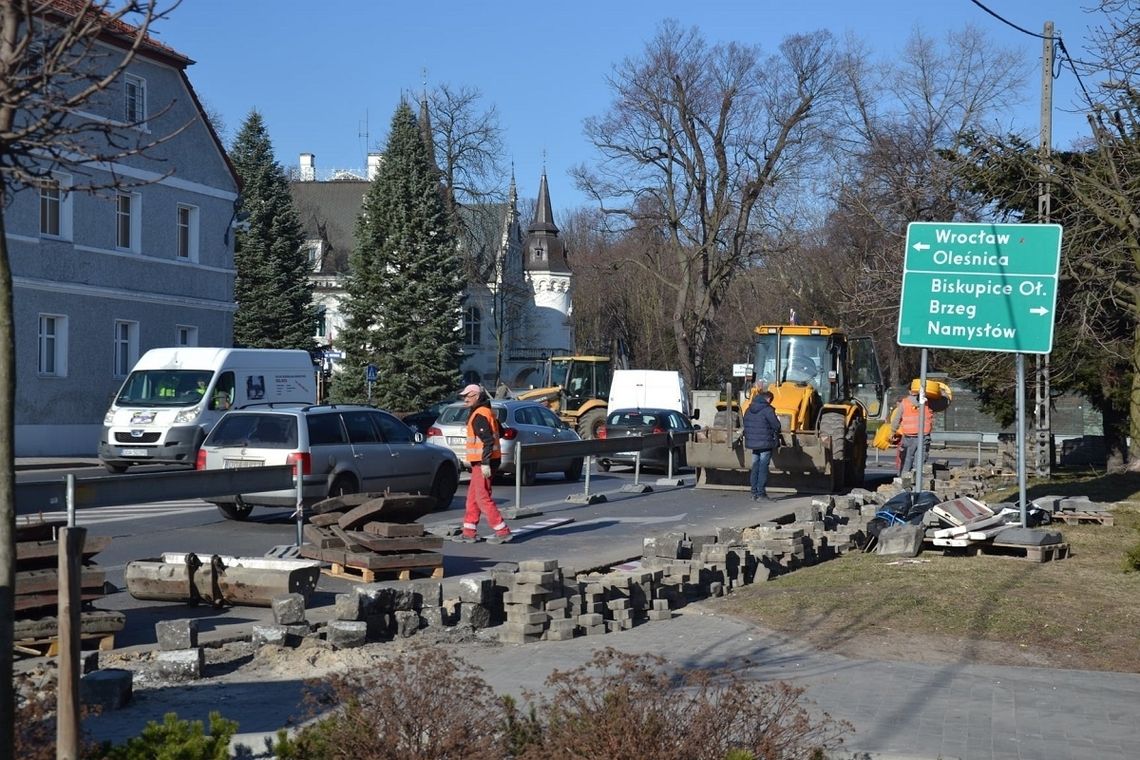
(1021, 439)
(923, 411)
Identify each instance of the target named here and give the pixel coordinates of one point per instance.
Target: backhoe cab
(577, 390)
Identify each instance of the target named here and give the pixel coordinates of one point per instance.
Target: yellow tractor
(577, 390)
(825, 387)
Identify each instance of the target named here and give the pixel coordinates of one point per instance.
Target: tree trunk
(1133, 464)
(7, 499)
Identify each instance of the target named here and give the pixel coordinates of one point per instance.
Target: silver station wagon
(342, 449)
(522, 422)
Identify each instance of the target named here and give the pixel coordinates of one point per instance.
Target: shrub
(427, 705)
(424, 704)
(621, 705)
(175, 739)
(1132, 559)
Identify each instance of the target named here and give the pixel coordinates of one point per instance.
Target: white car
(522, 422)
(343, 449)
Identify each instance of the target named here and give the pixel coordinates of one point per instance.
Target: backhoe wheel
(591, 422)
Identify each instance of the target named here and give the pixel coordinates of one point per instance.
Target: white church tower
(548, 274)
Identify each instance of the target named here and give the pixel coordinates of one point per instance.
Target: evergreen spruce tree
(272, 289)
(405, 287)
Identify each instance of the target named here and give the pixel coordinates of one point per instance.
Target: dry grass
(1081, 612)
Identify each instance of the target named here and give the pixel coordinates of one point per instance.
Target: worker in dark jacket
(762, 436)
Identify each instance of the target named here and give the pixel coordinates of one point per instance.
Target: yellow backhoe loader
(825, 387)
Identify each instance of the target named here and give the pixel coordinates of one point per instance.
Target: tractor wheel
(591, 422)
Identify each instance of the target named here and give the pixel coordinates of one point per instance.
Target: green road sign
(980, 287)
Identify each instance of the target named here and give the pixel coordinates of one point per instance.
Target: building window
(52, 345)
(135, 100)
(128, 223)
(322, 321)
(472, 326)
(55, 207)
(50, 201)
(186, 335)
(126, 346)
(187, 233)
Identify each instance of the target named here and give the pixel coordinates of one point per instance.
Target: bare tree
(57, 62)
(903, 119)
(468, 146)
(695, 145)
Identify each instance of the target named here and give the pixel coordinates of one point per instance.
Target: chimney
(308, 167)
(374, 161)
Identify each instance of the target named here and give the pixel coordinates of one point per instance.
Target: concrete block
(475, 589)
(426, 592)
(538, 565)
(347, 607)
(108, 689)
(590, 619)
(432, 617)
(176, 634)
(808, 512)
(902, 540)
(476, 616)
(268, 634)
(288, 609)
(346, 634)
(183, 664)
(407, 622)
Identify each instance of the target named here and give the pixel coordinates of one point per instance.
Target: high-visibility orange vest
(475, 443)
(909, 424)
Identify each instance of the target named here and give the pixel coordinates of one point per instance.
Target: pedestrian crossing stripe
(553, 522)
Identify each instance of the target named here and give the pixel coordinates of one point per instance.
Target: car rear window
(633, 419)
(262, 431)
(325, 430)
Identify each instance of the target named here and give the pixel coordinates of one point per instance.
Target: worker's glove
(486, 470)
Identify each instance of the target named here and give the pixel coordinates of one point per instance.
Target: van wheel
(444, 486)
(343, 486)
(604, 465)
(574, 471)
(237, 512)
(117, 469)
(529, 471)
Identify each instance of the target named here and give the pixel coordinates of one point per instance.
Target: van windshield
(164, 387)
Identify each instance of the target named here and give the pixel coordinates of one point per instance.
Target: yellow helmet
(915, 385)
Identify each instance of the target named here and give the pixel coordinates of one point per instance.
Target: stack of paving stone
(536, 605)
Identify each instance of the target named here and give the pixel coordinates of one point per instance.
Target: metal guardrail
(116, 490)
(589, 449)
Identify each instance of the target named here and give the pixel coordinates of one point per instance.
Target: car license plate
(456, 440)
(237, 464)
(135, 452)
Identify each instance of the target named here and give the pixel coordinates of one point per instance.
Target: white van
(649, 389)
(173, 397)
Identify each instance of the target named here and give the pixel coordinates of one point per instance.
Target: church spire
(543, 214)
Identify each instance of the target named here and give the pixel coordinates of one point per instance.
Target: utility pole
(1043, 449)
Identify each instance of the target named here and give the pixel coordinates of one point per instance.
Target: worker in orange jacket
(484, 457)
(905, 421)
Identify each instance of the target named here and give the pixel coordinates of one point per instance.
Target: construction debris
(370, 535)
(36, 600)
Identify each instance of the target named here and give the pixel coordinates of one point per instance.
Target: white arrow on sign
(1039, 311)
(922, 246)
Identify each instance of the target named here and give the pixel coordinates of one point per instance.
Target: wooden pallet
(1077, 518)
(370, 576)
(1046, 553)
(50, 647)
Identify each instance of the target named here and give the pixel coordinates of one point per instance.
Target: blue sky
(320, 72)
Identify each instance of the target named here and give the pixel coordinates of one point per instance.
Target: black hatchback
(623, 422)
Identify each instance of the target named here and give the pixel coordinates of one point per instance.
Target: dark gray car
(630, 422)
